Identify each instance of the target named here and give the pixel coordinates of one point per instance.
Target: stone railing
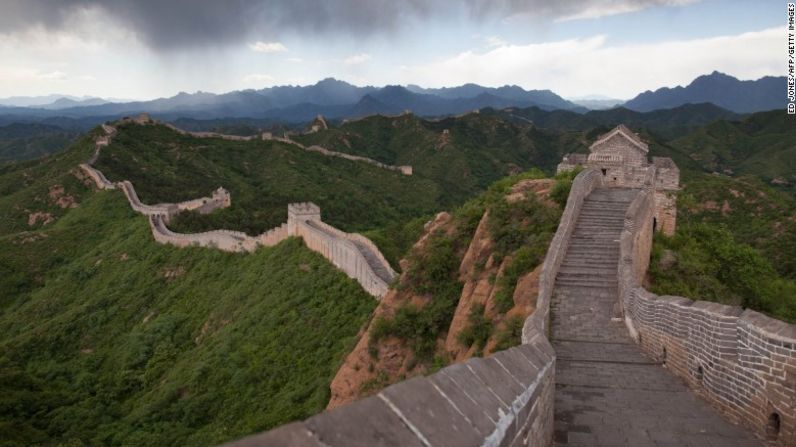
(635, 240)
(742, 362)
(582, 185)
(503, 400)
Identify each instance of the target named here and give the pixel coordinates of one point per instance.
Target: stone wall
(205, 205)
(503, 400)
(226, 240)
(740, 361)
(165, 210)
(97, 177)
(339, 247)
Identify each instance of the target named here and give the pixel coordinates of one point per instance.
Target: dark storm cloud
(170, 24)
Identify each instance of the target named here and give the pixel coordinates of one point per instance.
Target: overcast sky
(153, 48)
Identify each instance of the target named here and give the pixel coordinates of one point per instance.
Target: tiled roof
(627, 133)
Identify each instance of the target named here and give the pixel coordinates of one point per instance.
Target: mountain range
(337, 99)
(766, 93)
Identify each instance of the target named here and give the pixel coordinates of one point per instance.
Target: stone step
(618, 225)
(566, 281)
(618, 208)
(597, 236)
(600, 218)
(590, 271)
(575, 292)
(589, 264)
(585, 253)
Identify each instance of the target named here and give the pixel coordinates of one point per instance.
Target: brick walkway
(607, 392)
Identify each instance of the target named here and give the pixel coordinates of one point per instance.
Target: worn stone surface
(607, 392)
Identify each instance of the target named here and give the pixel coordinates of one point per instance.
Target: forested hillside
(110, 338)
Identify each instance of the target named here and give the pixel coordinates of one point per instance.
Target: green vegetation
(760, 145)
(704, 261)
(525, 229)
(25, 186)
(20, 141)
(478, 329)
(434, 272)
(477, 149)
(736, 235)
(263, 177)
(511, 333)
(522, 229)
(110, 338)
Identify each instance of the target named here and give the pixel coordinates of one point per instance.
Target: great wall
(603, 362)
(268, 136)
(352, 253)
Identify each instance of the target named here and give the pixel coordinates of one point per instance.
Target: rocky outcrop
(371, 366)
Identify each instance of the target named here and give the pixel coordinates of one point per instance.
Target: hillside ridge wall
(742, 362)
(267, 136)
(337, 246)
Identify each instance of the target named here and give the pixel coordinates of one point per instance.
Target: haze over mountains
(337, 99)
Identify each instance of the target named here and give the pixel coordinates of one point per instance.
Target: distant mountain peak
(718, 88)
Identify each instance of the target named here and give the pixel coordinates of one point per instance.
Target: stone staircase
(586, 285)
(607, 392)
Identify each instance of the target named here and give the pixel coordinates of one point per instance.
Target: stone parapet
(97, 177)
(503, 400)
(742, 362)
(341, 249)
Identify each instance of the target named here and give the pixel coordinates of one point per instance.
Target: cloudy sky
(151, 48)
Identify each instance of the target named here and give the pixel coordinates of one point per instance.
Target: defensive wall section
(304, 220)
(354, 254)
(742, 362)
(268, 136)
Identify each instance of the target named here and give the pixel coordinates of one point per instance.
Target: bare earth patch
(36, 217)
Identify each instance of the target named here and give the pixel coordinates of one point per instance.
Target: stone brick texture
(742, 362)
